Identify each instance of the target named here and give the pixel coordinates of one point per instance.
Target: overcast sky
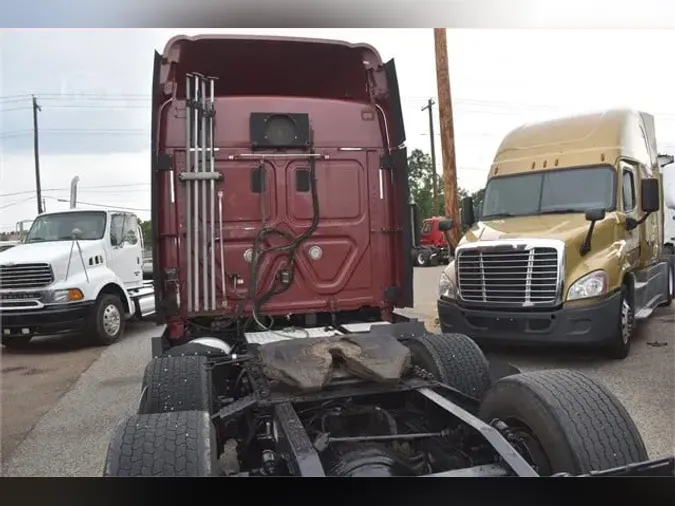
(499, 79)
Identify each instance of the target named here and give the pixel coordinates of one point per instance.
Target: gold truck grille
(25, 276)
(509, 276)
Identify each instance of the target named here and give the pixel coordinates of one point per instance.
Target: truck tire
(453, 359)
(619, 348)
(670, 293)
(107, 320)
(434, 260)
(176, 384)
(181, 444)
(422, 258)
(565, 422)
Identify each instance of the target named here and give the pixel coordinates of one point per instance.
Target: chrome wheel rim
(671, 283)
(420, 259)
(111, 319)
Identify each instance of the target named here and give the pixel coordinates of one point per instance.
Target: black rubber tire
(181, 444)
(580, 425)
(434, 260)
(618, 349)
(670, 260)
(193, 350)
(176, 384)
(16, 342)
(422, 258)
(98, 333)
(453, 359)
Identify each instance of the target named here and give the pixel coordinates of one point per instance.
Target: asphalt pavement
(72, 438)
(80, 395)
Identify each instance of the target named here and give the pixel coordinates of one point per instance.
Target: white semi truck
(77, 271)
(668, 168)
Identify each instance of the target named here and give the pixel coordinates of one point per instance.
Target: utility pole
(429, 107)
(36, 154)
(447, 131)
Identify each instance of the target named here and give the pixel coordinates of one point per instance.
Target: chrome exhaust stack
(200, 178)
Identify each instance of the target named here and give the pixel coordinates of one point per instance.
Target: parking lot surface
(61, 403)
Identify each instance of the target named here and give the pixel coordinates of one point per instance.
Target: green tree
(421, 184)
(146, 228)
(421, 187)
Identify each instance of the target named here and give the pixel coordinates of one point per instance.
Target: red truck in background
(430, 246)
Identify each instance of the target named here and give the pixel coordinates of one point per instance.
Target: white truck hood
(54, 253)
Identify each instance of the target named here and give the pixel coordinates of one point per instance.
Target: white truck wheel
(108, 320)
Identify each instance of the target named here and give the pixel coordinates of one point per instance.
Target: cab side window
(116, 229)
(131, 230)
(628, 189)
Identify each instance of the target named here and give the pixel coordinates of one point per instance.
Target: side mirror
(468, 218)
(444, 225)
(595, 215)
(651, 199)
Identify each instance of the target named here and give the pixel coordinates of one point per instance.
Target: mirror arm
(632, 224)
(644, 217)
(586, 245)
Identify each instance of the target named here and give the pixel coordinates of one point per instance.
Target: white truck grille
(512, 276)
(25, 276)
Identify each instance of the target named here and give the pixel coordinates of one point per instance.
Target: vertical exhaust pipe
(188, 194)
(212, 193)
(73, 191)
(195, 194)
(203, 197)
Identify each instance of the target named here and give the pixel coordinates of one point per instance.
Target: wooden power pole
(36, 153)
(447, 131)
(429, 107)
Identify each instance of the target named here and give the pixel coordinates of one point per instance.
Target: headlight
(591, 285)
(446, 287)
(70, 295)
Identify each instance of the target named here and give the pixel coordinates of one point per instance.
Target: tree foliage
(421, 187)
(146, 228)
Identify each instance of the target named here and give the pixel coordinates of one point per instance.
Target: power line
(79, 188)
(99, 96)
(81, 131)
(18, 202)
(102, 205)
(116, 97)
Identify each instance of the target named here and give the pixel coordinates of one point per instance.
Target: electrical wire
(79, 188)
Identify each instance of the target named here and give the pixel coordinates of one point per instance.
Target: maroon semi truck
(282, 240)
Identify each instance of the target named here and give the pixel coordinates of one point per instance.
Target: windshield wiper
(563, 211)
(498, 215)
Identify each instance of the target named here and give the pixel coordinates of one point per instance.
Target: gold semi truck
(568, 247)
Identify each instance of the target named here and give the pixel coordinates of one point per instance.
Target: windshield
(60, 226)
(558, 191)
